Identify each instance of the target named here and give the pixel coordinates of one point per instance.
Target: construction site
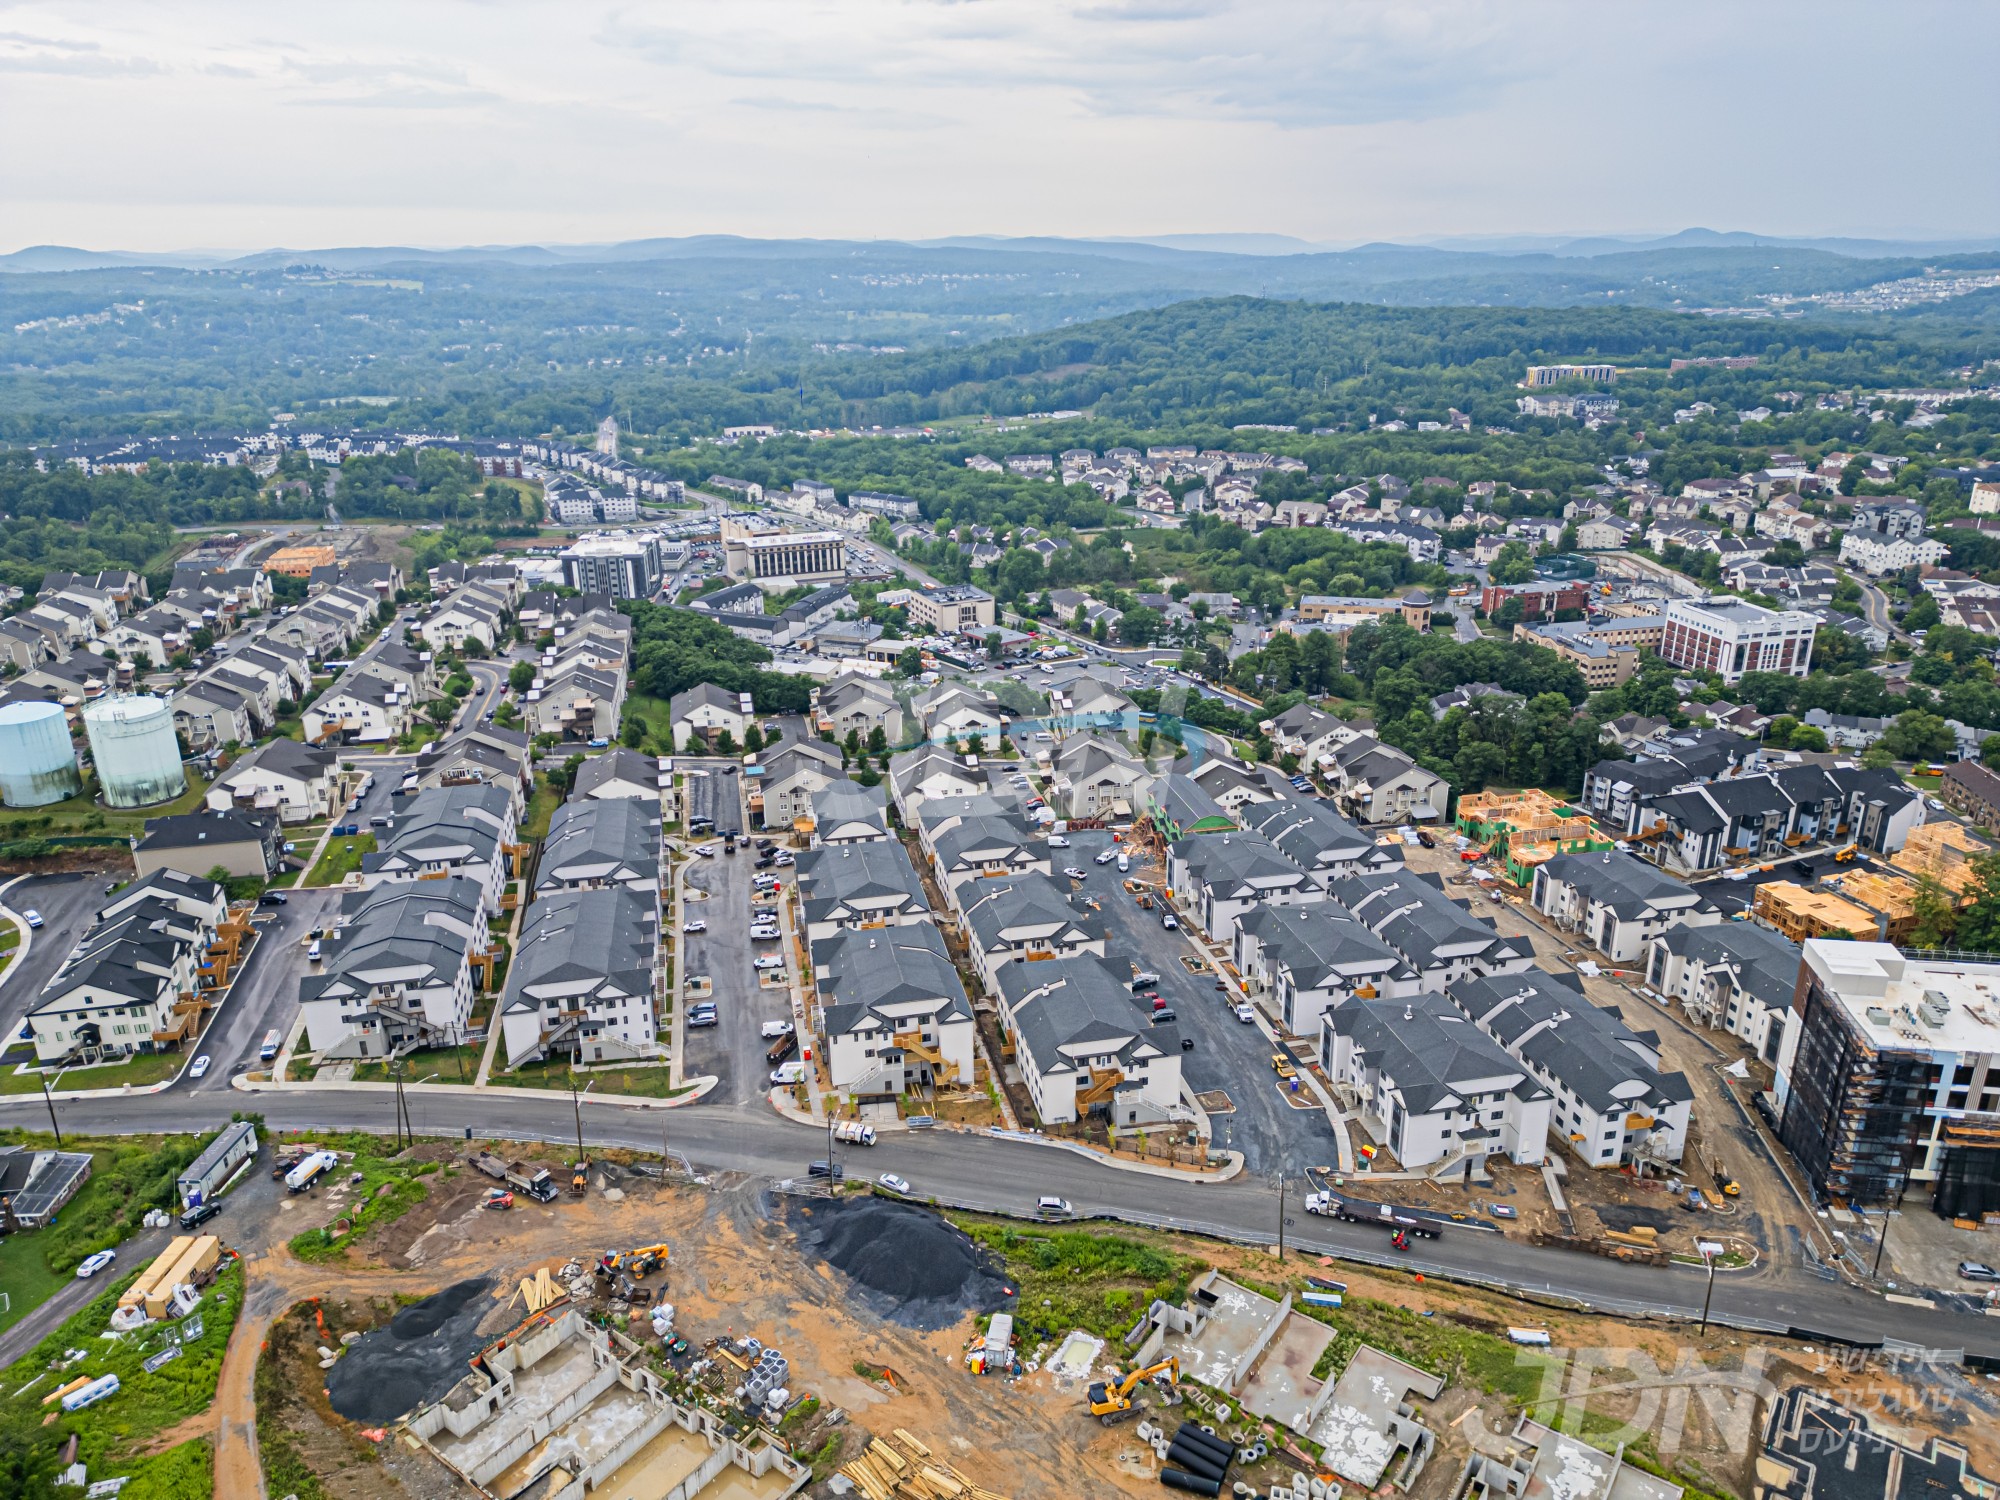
(748, 1344)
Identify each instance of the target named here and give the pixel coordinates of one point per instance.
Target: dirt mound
(417, 1358)
(906, 1264)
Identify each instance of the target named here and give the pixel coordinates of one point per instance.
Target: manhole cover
(1216, 1102)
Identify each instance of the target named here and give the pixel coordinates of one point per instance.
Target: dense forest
(702, 336)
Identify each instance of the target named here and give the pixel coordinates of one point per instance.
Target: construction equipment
(1112, 1402)
(639, 1262)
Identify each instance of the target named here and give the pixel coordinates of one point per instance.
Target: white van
(1124, 864)
(312, 953)
(786, 1074)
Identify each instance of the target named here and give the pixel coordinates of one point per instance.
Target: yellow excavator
(638, 1263)
(1112, 1401)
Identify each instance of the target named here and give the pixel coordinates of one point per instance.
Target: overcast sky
(206, 123)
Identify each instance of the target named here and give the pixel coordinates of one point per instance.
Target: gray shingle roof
(1547, 1022)
(1431, 1051)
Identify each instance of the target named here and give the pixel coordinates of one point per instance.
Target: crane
(1112, 1401)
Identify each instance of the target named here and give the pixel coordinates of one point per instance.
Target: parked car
(788, 1073)
(1245, 1014)
(1502, 1211)
(824, 1168)
(764, 932)
(1053, 1208)
(785, 860)
(894, 1183)
(702, 1017)
(776, 1028)
(92, 1264)
(32, 917)
(200, 1066)
(1075, 873)
(1972, 1270)
(1171, 923)
(697, 925)
(1057, 841)
(1106, 857)
(1163, 1015)
(201, 1213)
(273, 898)
(767, 961)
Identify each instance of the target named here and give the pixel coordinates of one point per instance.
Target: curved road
(1006, 1176)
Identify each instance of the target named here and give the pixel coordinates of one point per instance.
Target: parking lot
(1229, 1055)
(731, 1049)
(266, 994)
(67, 903)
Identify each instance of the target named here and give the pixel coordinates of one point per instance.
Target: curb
(698, 1091)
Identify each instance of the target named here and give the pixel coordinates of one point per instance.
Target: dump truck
(521, 1176)
(1388, 1216)
(310, 1170)
(854, 1133)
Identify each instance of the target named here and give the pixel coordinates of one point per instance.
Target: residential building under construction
(1889, 1078)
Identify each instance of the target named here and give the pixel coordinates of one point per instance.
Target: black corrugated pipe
(1207, 1441)
(1175, 1479)
(1197, 1461)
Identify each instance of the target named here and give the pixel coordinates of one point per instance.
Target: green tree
(1809, 737)
(1515, 564)
(1780, 731)
(910, 661)
(1916, 735)
(1979, 923)
(632, 733)
(1936, 914)
(878, 740)
(1878, 757)
(1140, 625)
(521, 676)
(753, 738)
(725, 742)
(1922, 615)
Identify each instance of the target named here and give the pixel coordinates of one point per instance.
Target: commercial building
(1729, 637)
(951, 609)
(623, 566)
(1539, 600)
(1886, 1083)
(1602, 663)
(1342, 611)
(780, 561)
(1545, 375)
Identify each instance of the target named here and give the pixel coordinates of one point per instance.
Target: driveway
(1229, 1054)
(266, 993)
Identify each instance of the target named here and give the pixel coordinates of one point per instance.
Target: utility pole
(1281, 1214)
(826, 1105)
(1882, 1243)
(49, 1100)
(576, 1104)
(1709, 1250)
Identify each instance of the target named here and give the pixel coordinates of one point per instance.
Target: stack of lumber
(909, 1471)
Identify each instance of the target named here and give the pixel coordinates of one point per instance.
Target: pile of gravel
(421, 1354)
(905, 1263)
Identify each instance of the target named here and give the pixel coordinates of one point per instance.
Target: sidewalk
(785, 1109)
(697, 1091)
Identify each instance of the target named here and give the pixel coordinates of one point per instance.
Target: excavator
(639, 1262)
(1112, 1402)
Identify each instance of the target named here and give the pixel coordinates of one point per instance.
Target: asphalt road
(1228, 1054)
(266, 993)
(67, 904)
(1007, 1176)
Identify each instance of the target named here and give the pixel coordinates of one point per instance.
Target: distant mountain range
(1166, 250)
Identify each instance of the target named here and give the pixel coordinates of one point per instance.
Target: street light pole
(1281, 1214)
(1882, 1243)
(576, 1104)
(1709, 1250)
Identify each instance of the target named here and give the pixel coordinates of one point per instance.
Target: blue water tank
(37, 756)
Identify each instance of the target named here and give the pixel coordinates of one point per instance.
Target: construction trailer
(216, 1165)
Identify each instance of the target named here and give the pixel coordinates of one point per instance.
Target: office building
(625, 567)
(781, 561)
(1730, 637)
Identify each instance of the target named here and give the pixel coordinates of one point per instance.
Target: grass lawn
(341, 859)
(146, 1068)
(113, 1436)
(10, 943)
(541, 807)
(389, 1188)
(83, 814)
(451, 1064)
(25, 1274)
(640, 1083)
(658, 717)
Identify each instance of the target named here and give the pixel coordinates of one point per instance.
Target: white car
(94, 1263)
(894, 1183)
(706, 851)
(697, 925)
(1057, 841)
(783, 860)
(200, 1066)
(1106, 857)
(1074, 873)
(775, 1029)
(1245, 1014)
(767, 961)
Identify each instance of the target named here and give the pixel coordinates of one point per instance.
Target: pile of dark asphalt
(389, 1372)
(903, 1262)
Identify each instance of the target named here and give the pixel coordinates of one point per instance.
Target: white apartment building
(1867, 552)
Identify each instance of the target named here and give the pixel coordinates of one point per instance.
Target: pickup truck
(854, 1133)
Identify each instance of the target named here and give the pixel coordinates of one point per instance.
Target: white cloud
(222, 121)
